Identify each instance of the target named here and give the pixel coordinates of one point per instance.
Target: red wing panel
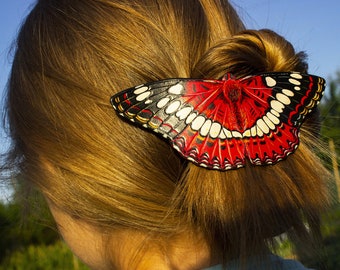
(219, 123)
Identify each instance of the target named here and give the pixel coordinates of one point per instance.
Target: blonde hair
(73, 55)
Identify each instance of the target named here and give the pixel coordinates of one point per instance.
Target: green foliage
(29, 240)
(16, 233)
(330, 111)
(43, 257)
(328, 258)
(332, 238)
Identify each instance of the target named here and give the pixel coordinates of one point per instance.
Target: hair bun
(248, 53)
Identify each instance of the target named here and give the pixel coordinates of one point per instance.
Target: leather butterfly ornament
(219, 124)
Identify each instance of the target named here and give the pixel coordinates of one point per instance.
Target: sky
(312, 26)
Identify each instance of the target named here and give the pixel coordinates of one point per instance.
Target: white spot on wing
(190, 118)
(288, 92)
(296, 75)
(198, 122)
(274, 113)
(273, 118)
(143, 96)
(206, 128)
(295, 82)
(162, 102)
(176, 89)
(259, 131)
(215, 130)
(140, 90)
(183, 113)
(192, 160)
(270, 81)
(268, 122)
(173, 107)
(222, 135)
(236, 134)
(277, 106)
(262, 125)
(227, 133)
(176, 147)
(246, 133)
(283, 98)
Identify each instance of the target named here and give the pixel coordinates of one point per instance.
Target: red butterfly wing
(275, 134)
(211, 136)
(193, 114)
(218, 123)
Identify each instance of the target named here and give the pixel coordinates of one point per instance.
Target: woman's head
(72, 56)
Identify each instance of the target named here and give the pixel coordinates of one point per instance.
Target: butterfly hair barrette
(220, 124)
